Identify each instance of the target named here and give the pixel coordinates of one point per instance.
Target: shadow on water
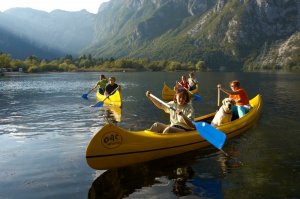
(167, 177)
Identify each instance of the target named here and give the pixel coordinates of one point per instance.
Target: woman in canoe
(192, 81)
(239, 95)
(181, 119)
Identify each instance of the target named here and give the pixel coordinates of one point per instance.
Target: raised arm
(157, 103)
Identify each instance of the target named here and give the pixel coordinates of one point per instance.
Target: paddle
(85, 96)
(196, 97)
(205, 130)
(219, 86)
(100, 103)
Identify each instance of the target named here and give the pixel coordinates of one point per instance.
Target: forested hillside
(226, 34)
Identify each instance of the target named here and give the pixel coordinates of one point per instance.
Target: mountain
(66, 32)
(254, 34)
(21, 48)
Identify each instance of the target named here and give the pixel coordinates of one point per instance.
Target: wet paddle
(197, 98)
(211, 134)
(100, 103)
(85, 96)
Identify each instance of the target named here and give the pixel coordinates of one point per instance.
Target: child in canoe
(181, 118)
(192, 81)
(111, 87)
(239, 95)
(183, 83)
(101, 84)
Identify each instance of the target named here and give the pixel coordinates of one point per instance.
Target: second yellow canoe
(168, 93)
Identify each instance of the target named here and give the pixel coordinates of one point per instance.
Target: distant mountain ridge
(224, 33)
(21, 48)
(62, 31)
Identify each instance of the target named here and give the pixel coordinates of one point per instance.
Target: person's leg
(172, 129)
(235, 114)
(158, 127)
(242, 111)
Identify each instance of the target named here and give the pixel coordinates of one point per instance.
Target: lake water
(45, 127)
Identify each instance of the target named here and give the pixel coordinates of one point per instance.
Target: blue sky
(49, 5)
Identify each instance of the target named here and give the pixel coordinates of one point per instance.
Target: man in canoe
(181, 119)
(111, 86)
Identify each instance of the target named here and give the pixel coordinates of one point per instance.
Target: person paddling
(111, 86)
(181, 119)
(182, 84)
(101, 84)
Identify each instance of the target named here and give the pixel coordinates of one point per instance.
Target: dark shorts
(192, 88)
(101, 91)
(180, 127)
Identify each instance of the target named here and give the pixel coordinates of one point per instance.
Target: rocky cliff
(226, 34)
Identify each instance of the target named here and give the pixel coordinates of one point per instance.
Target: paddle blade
(211, 134)
(197, 98)
(85, 96)
(99, 104)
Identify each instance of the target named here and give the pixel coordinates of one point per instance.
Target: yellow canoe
(168, 93)
(113, 147)
(113, 100)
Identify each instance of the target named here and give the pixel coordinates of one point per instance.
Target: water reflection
(230, 162)
(145, 179)
(180, 187)
(164, 178)
(112, 114)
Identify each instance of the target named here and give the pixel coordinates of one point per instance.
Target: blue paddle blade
(99, 104)
(85, 96)
(211, 134)
(197, 98)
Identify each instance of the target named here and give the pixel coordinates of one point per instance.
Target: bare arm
(157, 103)
(227, 91)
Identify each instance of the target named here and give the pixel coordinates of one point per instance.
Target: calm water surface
(45, 127)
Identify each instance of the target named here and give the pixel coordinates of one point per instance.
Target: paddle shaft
(185, 88)
(162, 102)
(100, 103)
(187, 120)
(111, 93)
(219, 87)
(85, 96)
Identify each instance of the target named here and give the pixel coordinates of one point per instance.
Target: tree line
(33, 64)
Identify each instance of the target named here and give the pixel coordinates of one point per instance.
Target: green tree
(199, 65)
(5, 60)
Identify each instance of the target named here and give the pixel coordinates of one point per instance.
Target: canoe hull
(112, 100)
(143, 147)
(113, 147)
